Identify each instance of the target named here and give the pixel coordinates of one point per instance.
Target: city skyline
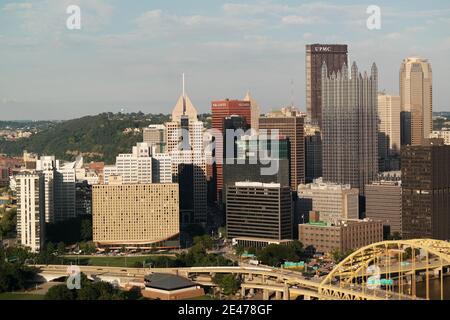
(130, 58)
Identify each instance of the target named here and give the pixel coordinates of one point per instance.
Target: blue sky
(130, 54)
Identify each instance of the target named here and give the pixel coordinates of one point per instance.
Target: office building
(291, 126)
(259, 211)
(384, 203)
(59, 188)
(416, 100)
(350, 126)
(389, 132)
(135, 215)
(187, 152)
(30, 210)
(221, 111)
(344, 236)
(332, 201)
(155, 137)
(255, 113)
(426, 191)
(335, 57)
(313, 153)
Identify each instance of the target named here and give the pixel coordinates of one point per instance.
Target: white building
(134, 168)
(332, 201)
(30, 210)
(59, 188)
(186, 149)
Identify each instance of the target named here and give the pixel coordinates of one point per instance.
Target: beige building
(332, 201)
(135, 215)
(389, 126)
(442, 134)
(344, 236)
(416, 100)
(155, 137)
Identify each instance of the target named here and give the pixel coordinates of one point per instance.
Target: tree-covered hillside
(97, 138)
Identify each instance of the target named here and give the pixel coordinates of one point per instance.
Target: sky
(129, 55)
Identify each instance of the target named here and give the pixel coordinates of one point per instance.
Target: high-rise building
(187, 152)
(30, 210)
(384, 203)
(335, 56)
(155, 137)
(259, 211)
(134, 168)
(255, 112)
(426, 191)
(135, 215)
(416, 100)
(332, 201)
(59, 190)
(313, 153)
(389, 132)
(222, 110)
(290, 126)
(350, 126)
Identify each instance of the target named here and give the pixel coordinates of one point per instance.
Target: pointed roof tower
(184, 107)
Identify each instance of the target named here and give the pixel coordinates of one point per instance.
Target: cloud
(14, 6)
(300, 20)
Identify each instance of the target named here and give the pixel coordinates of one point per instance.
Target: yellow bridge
(389, 270)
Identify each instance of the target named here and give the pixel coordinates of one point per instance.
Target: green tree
(60, 292)
(228, 283)
(205, 241)
(8, 223)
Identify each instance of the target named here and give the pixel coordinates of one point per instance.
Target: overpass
(400, 261)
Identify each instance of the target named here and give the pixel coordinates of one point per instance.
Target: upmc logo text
(323, 49)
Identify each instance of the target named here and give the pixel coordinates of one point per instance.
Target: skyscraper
(426, 191)
(389, 131)
(259, 212)
(255, 112)
(290, 126)
(30, 210)
(186, 149)
(416, 100)
(349, 126)
(335, 56)
(221, 110)
(59, 189)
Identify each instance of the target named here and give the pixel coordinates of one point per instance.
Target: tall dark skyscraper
(426, 191)
(350, 127)
(335, 56)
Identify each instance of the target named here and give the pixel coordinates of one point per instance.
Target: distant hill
(98, 138)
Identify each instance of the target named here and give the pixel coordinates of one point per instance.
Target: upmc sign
(322, 49)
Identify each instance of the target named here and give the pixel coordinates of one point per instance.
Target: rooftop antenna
(184, 96)
(292, 92)
(184, 91)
